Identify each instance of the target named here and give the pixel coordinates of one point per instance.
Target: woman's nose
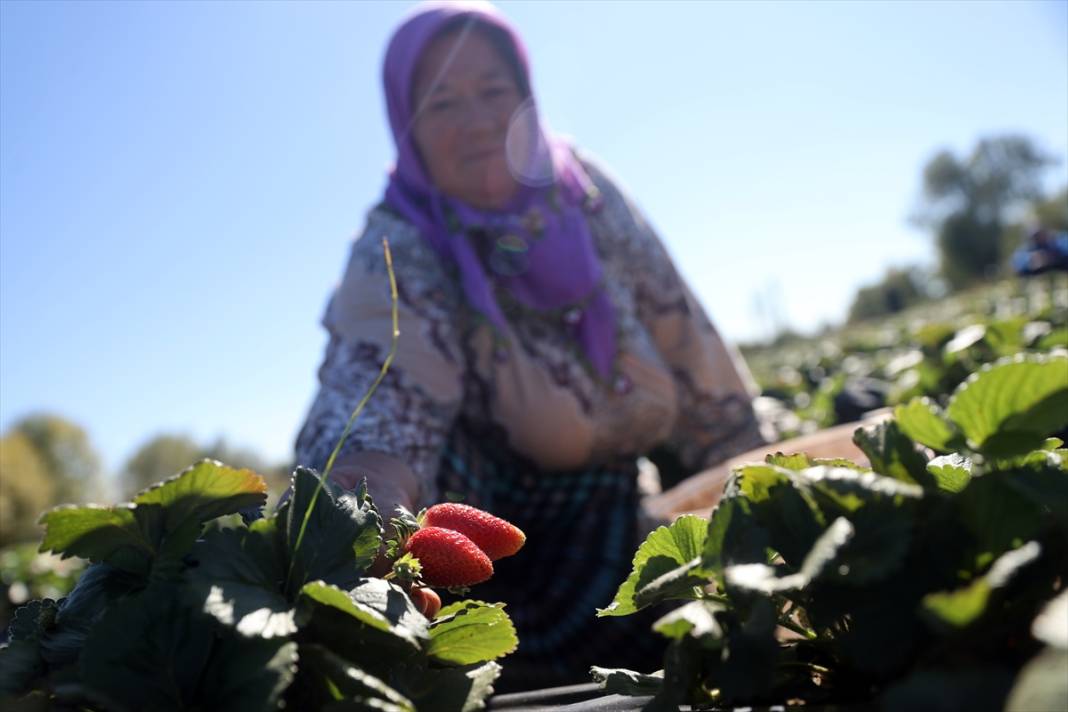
(479, 115)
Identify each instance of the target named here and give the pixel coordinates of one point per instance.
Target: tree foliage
(899, 288)
(26, 488)
(165, 455)
(68, 457)
(968, 201)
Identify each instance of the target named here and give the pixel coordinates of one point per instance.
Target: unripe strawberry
(495, 536)
(426, 600)
(448, 558)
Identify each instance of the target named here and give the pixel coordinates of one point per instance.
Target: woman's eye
(497, 92)
(441, 105)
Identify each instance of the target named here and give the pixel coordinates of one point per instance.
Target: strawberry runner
(572, 562)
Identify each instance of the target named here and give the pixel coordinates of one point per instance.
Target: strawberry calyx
(404, 524)
(406, 571)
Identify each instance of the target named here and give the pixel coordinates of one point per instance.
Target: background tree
(68, 457)
(969, 202)
(166, 455)
(27, 488)
(899, 289)
(159, 458)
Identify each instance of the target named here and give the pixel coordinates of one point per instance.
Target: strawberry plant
(924, 579)
(196, 601)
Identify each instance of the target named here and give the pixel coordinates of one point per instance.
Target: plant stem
(790, 625)
(810, 666)
(359, 406)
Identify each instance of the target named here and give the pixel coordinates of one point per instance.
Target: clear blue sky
(179, 183)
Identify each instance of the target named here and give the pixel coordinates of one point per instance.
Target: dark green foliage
(910, 585)
(189, 606)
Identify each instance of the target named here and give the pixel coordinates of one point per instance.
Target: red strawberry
(495, 536)
(448, 558)
(426, 600)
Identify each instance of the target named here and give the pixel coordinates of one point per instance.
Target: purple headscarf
(544, 257)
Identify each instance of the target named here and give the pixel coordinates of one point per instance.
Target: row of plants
(933, 579)
(813, 383)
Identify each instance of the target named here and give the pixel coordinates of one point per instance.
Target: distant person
(1043, 251)
(547, 341)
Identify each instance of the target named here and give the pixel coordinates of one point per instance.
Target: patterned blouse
(678, 384)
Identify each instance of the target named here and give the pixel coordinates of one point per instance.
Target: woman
(547, 341)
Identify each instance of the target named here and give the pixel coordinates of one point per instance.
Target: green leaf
(464, 689)
(237, 580)
(765, 579)
(734, 536)
(952, 473)
(333, 597)
(923, 421)
(33, 620)
(1055, 338)
(800, 461)
(352, 683)
(148, 653)
(202, 492)
(664, 549)
(20, 666)
(342, 531)
(839, 490)
(107, 534)
(374, 625)
(618, 681)
(749, 668)
(100, 587)
(1010, 408)
(248, 674)
(999, 514)
(681, 582)
(962, 607)
(893, 454)
(468, 632)
(784, 507)
(696, 619)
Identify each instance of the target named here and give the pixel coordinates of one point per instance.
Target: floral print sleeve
(715, 417)
(411, 412)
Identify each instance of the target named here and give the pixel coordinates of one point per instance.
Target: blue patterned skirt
(582, 532)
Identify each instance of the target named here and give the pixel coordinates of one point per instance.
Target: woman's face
(462, 117)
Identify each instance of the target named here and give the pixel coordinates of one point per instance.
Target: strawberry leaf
(148, 653)
(237, 580)
(100, 534)
(456, 688)
(662, 551)
(375, 625)
(469, 632)
(202, 492)
(923, 421)
(340, 679)
(248, 674)
(951, 472)
(341, 538)
(1011, 407)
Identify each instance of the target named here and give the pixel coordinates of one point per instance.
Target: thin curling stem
(394, 299)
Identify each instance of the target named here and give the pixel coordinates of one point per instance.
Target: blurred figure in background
(547, 341)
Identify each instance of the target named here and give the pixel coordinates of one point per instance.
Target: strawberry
(426, 600)
(495, 536)
(448, 558)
